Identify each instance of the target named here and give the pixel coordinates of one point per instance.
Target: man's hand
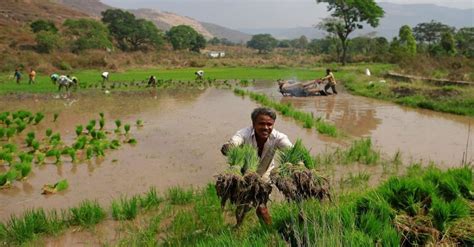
(225, 148)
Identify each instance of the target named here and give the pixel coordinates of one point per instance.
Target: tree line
(117, 29)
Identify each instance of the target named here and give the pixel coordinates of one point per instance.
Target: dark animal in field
(301, 89)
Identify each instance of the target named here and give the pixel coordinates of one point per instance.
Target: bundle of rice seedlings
(118, 123)
(139, 123)
(101, 123)
(3, 132)
(240, 184)
(54, 188)
(462, 231)
(20, 126)
(54, 153)
(10, 132)
(55, 117)
(30, 137)
(40, 158)
(295, 176)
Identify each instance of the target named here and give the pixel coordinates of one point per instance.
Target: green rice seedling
(62, 185)
(101, 135)
(55, 139)
(150, 199)
(125, 209)
(356, 180)
(55, 116)
(132, 141)
(89, 153)
(308, 123)
(92, 122)
(72, 153)
(88, 213)
(448, 189)
(49, 132)
(397, 158)
(38, 117)
(89, 128)
(101, 123)
(93, 134)
(54, 153)
(297, 153)
(10, 132)
(101, 114)
(139, 123)
(127, 128)
(40, 158)
(30, 137)
(3, 132)
(115, 144)
(8, 157)
(79, 129)
(35, 144)
(244, 157)
(445, 212)
(23, 229)
(10, 147)
(118, 124)
(8, 177)
(23, 169)
(25, 158)
(179, 196)
(20, 127)
(361, 151)
(463, 177)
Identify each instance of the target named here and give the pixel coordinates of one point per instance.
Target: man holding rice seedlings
(266, 141)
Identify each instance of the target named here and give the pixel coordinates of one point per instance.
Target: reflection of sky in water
(417, 133)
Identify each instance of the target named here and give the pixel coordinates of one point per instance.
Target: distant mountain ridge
(162, 19)
(396, 15)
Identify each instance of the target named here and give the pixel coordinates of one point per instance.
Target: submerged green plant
(101, 123)
(55, 117)
(49, 132)
(118, 124)
(139, 123)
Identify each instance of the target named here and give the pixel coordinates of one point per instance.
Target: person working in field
(266, 141)
(331, 82)
(32, 76)
(17, 75)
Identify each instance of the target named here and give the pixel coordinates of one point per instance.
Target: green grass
(87, 214)
(361, 151)
(452, 99)
(125, 209)
(179, 196)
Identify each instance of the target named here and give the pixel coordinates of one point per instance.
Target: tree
(300, 43)
(430, 32)
(131, 33)
(47, 41)
(262, 43)
(214, 41)
(43, 25)
(348, 16)
(87, 34)
(284, 43)
(407, 40)
(185, 37)
(465, 41)
(448, 43)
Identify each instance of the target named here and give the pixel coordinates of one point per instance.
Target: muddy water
(419, 134)
(182, 134)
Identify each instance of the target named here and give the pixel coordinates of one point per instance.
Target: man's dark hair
(263, 111)
(328, 71)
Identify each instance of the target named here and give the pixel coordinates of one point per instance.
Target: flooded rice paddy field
(183, 132)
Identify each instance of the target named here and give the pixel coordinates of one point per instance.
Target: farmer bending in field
(266, 141)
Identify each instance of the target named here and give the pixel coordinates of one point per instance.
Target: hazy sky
(244, 14)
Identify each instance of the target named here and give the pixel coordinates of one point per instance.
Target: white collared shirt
(276, 140)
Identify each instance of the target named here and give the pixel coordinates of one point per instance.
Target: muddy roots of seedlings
(417, 229)
(243, 191)
(302, 185)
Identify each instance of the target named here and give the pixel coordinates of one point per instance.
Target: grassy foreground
(426, 206)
